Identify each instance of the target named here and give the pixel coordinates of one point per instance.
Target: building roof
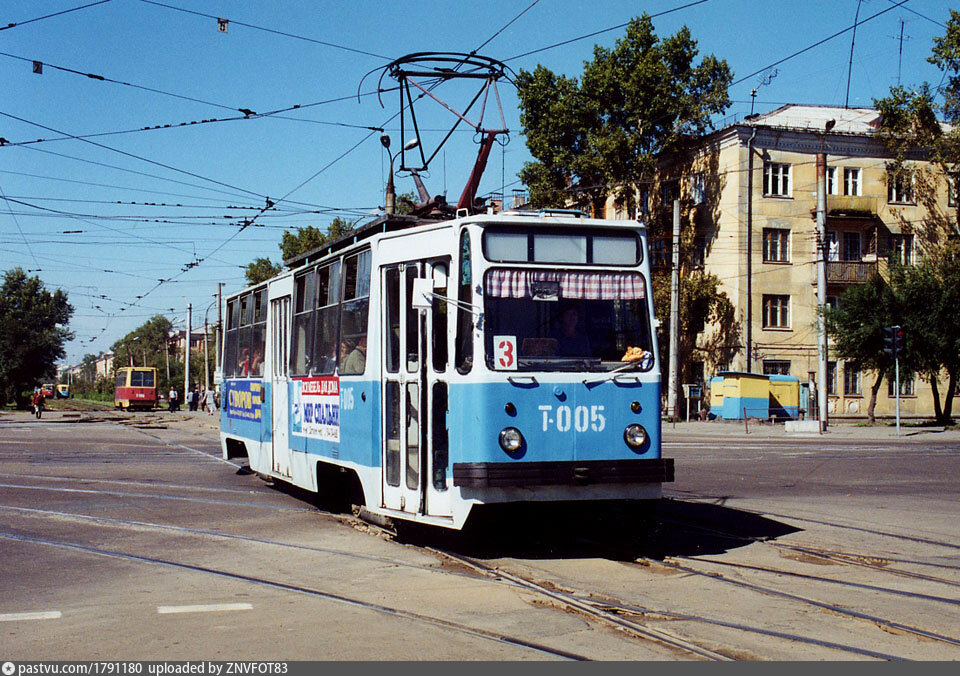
(799, 117)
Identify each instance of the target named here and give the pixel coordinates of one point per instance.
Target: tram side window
(304, 287)
(393, 433)
(231, 338)
(354, 313)
(258, 332)
(464, 339)
(440, 440)
(439, 315)
(122, 379)
(413, 322)
(392, 291)
(328, 299)
(246, 327)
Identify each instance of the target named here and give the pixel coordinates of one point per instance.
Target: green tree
(640, 100)
(911, 129)
(33, 330)
(856, 329)
(262, 269)
(702, 305)
(144, 346)
(930, 296)
(309, 238)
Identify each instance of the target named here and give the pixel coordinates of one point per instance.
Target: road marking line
(209, 608)
(45, 615)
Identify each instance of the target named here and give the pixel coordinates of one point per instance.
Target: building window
(953, 184)
(851, 181)
(851, 246)
(777, 367)
(900, 188)
(776, 245)
(851, 378)
(907, 386)
(698, 189)
(669, 191)
(659, 253)
(831, 377)
(901, 249)
(776, 179)
(776, 312)
(832, 181)
(698, 252)
(644, 205)
(833, 302)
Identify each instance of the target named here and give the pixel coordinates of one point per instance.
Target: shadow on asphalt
(615, 531)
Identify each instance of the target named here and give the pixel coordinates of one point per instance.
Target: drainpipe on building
(749, 334)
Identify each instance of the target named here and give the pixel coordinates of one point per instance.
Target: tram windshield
(563, 320)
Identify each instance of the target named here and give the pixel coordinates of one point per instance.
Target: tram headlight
(510, 439)
(635, 435)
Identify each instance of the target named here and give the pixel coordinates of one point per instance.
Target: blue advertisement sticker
(243, 399)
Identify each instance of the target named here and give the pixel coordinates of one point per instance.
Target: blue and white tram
(434, 367)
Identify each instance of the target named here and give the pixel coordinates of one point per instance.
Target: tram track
(612, 612)
(874, 563)
(300, 589)
(883, 623)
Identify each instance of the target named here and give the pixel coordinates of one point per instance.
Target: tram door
(414, 394)
(280, 364)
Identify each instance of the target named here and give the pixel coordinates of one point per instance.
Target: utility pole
(206, 357)
(822, 281)
(217, 344)
(186, 352)
(674, 312)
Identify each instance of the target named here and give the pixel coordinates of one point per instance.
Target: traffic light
(890, 341)
(893, 339)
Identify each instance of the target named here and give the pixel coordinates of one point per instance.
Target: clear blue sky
(111, 268)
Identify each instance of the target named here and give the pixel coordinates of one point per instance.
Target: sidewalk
(837, 431)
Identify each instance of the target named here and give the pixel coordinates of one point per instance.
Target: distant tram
(136, 387)
(427, 369)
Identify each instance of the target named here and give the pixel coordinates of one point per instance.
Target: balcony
(850, 272)
(851, 206)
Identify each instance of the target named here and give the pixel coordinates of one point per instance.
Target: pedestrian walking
(38, 401)
(173, 399)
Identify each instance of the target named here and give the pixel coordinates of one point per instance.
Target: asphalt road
(122, 542)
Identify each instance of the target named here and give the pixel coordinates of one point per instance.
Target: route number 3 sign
(505, 352)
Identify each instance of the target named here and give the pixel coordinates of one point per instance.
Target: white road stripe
(209, 608)
(45, 615)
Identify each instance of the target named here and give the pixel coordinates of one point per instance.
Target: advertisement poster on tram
(244, 399)
(316, 408)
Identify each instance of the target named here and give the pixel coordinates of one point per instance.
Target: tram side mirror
(422, 296)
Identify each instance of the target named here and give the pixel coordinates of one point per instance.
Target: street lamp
(389, 202)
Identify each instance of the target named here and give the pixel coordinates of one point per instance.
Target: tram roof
(383, 224)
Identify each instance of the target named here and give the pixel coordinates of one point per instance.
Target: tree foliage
(911, 128)
(702, 305)
(261, 269)
(33, 331)
(643, 98)
(309, 238)
(856, 328)
(922, 300)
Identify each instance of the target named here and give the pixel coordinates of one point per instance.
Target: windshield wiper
(619, 372)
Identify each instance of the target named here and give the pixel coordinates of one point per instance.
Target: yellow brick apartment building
(749, 197)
